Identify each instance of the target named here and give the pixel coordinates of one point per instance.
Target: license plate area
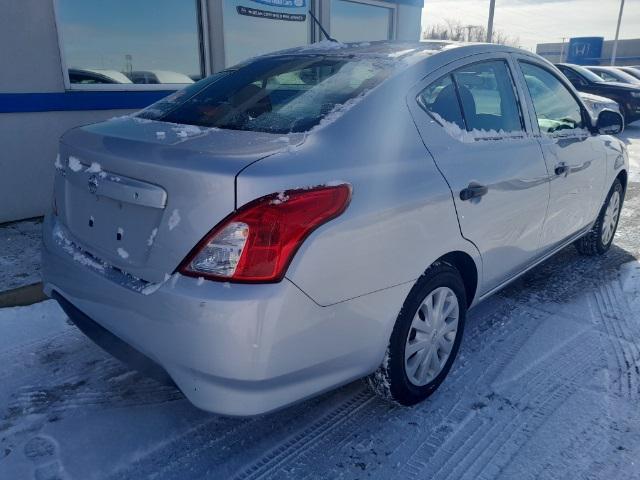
(118, 231)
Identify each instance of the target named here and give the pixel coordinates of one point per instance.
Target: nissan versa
(323, 214)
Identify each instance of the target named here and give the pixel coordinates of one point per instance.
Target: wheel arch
(623, 177)
(464, 263)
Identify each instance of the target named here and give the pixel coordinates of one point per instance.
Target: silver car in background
(614, 74)
(323, 214)
(596, 104)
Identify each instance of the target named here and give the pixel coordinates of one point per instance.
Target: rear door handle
(561, 169)
(473, 191)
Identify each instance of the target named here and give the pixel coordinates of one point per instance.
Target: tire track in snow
(482, 446)
(172, 458)
(536, 414)
(66, 396)
(631, 331)
(621, 335)
(22, 354)
(579, 436)
(377, 415)
(82, 376)
(219, 447)
(306, 438)
(482, 371)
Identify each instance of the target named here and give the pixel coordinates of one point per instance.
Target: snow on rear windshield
(273, 94)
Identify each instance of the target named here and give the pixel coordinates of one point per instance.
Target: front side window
(556, 108)
(124, 42)
(284, 94)
(607, 76)
(573, 77)
(358, 22)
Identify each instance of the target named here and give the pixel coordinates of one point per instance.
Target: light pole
(492, 8)
(562, 50)
(615, 42)
(470, 28)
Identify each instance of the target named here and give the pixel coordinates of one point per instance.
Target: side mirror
(609, 123)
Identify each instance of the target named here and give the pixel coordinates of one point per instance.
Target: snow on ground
(547, 386)
(20, 254)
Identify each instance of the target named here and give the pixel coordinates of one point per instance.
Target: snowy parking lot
(547, 385)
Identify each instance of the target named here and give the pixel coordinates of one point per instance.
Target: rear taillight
(257, 242)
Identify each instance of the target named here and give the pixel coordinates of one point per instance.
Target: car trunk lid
(139, 194)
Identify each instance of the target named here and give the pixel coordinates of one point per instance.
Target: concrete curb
(22, 296)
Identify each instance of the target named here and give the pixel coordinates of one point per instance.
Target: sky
(540, 21)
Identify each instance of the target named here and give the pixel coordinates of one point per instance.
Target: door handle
(473, 191)
(561, 169)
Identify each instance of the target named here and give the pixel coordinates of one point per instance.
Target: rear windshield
(272, 94)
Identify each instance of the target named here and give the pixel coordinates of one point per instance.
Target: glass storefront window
(357, 22)
(125, 42)
(256, 27)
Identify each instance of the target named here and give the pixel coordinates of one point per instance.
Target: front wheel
(425, 339)
(599, 239)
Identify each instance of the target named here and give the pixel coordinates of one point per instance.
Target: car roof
(166, 76)
(409, 52)
(115, 75)
(601, 67)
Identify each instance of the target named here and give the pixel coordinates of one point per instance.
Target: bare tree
(456, 31)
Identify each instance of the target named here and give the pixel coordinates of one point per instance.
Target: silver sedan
(324, 214)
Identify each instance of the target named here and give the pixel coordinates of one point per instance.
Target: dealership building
(591, 51)
(73, 62)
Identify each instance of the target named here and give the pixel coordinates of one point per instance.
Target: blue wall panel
(76, 101)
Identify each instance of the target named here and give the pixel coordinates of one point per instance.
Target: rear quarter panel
(401, 217)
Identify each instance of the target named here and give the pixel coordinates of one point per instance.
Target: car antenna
(324, 32)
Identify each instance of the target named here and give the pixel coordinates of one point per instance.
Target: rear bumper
(232, 349)
(112, 344)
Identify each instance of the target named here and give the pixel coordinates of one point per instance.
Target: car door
(473, 124)
(575, 158)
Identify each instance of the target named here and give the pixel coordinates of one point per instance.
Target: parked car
(96, 75)
(614, 74)
(158, 76)
(635, 71)
(627, 95)
(596, 104)
(260, 240)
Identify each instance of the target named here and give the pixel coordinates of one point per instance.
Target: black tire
(390, 381)
(591, 244)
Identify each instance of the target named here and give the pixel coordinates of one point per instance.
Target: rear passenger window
(556, 108)
(488, 98)
(441, 101)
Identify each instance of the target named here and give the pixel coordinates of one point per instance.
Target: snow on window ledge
(475, 135)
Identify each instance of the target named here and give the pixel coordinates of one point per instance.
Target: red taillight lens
(258, 241)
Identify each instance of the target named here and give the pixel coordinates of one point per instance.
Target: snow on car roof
(367, 49)
(400, 52)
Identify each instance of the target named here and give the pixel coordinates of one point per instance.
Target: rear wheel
(598, 240)
(425, 339)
